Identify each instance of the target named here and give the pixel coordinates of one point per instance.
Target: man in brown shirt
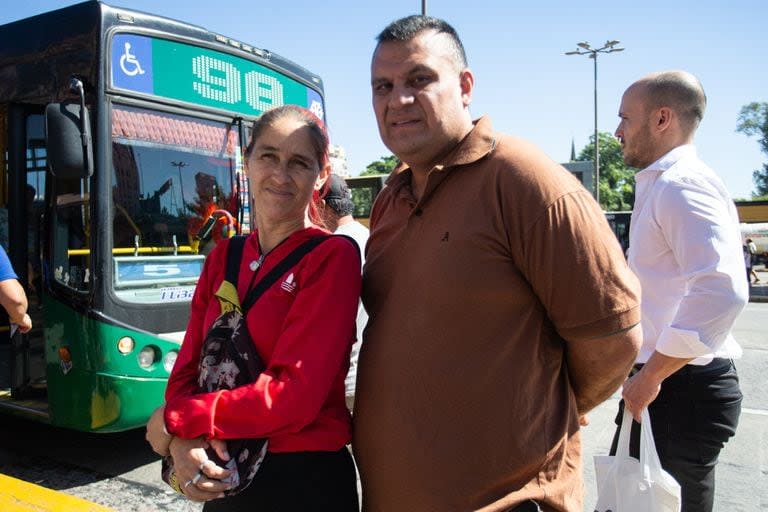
(501, 307)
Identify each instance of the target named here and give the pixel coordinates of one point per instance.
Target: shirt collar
(670, 159)
(478, 143)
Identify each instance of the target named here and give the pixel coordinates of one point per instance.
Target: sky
(523, 80)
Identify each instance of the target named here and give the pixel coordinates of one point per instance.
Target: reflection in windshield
(171, 174)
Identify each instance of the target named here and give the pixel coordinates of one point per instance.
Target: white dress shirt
(685, 247)
(360, 234)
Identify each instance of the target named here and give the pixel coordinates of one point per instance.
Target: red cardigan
(303, 334)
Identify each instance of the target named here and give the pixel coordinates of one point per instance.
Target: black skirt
(297, 482)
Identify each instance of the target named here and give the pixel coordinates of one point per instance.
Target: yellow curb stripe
(19, 496)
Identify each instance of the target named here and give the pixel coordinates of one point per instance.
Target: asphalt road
(114, 470)
(121, 472)
(742, 474)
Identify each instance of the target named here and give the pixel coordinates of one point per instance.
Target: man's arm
(704, 238)
(598, 366)
(14, 301)
(642, 388)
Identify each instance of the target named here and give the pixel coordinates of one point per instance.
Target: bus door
(21, 223)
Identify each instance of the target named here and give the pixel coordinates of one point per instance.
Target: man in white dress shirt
(685, 247)
(337, 214)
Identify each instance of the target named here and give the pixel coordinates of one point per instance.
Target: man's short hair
(680, 91)
(407, 28)
(338, 196)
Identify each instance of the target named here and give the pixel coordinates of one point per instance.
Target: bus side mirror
(68, 140)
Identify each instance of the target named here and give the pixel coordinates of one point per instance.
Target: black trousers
(297, 482)
(526, 506)
(696, 412)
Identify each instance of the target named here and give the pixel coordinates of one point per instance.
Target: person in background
(337, 214)
(752, 249)
(747, 262)
(12, 296)
(685, 247)
(501, 306)
(303, 328)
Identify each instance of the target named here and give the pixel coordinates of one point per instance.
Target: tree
(383, 165)
(753, 120)
(617, 189)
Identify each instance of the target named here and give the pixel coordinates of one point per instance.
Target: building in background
(583, 172)
(338, 158)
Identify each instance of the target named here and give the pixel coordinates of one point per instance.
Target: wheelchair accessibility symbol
(129, 64)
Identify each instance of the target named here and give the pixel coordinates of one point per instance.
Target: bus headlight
(169, 360)
(125, 345)
(148, 356)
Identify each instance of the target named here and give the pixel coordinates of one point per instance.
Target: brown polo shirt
(474, 292)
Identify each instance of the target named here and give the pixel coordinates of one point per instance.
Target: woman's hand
(220, 447)
(200, 478)
(157, 436)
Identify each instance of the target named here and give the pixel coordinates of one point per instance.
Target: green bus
(121, 137)
(364, 190)
(619, 222)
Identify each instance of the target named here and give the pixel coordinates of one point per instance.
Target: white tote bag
(625, 484)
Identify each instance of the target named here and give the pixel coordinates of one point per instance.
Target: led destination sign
(204, 77)
(143, 270)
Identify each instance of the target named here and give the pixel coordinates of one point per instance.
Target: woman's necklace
(256, 265)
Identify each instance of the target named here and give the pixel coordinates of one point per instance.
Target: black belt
(691, 369)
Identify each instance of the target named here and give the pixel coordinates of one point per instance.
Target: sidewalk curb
(18, 495)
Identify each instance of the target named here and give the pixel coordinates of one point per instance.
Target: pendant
(255, 264)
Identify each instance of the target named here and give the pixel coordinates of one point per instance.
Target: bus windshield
(174, 177)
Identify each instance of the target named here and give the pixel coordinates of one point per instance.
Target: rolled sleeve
(618, 321)
(683, 344)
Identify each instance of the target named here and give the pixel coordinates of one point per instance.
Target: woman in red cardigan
(302, 327)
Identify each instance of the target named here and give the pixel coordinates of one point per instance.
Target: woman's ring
(194, 480)
(202, 464)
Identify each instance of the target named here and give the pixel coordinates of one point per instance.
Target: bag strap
(649, 457)
(234, 257)
(286, 263)
(622, 448)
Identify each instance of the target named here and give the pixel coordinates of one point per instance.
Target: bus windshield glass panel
(204, 77)
(173, 176)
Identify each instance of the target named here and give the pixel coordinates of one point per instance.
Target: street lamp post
(180, 165)
(423, 7)
(586, 49)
